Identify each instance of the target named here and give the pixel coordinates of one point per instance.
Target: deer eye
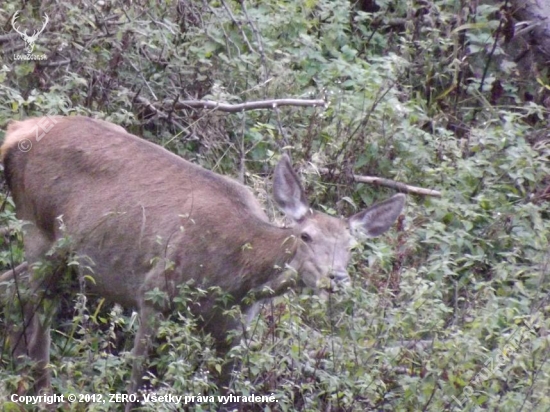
(305, 237)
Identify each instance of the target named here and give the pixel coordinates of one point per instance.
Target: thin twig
(258, 39)
(242, 153)
(239, 25)
(225, 35)
(281, 130)
(140, 73)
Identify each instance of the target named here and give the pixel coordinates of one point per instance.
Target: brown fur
(134, 209)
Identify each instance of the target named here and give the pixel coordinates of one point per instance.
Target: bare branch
(56, 63)
(12, 273)
(241, 107)
(8, 37)
(13, 49)
(380, 181)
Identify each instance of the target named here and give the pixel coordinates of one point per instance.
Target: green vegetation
(449, 311)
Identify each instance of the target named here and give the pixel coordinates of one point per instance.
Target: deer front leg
(39, 349)
(30, 336)
(142, 345)
(31, 339)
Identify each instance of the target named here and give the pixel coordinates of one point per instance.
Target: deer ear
(287, 190)
(378, 218)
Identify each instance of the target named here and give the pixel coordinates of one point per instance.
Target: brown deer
(140, 218)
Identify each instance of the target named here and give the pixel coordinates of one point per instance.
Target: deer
(29, 40)
(130, 206)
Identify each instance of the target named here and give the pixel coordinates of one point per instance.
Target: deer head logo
(29, 40)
